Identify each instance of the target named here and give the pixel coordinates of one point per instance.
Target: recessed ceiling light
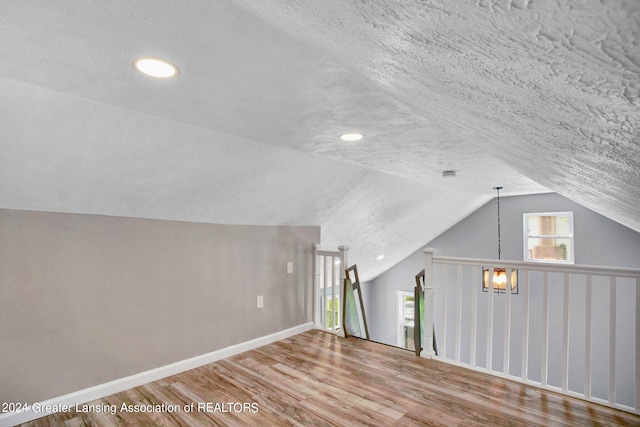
(380, 257)
(155, 67)
(351, 137)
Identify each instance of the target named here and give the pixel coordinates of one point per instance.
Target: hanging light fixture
(499, 273)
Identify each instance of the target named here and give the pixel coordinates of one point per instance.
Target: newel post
(315, 294)
(344, 251)
(427, 332)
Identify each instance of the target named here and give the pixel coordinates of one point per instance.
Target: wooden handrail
(543, 284)
(596, 270)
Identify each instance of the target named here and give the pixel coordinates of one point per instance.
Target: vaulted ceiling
(534, 96)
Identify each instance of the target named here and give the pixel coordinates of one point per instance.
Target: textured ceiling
(534, 96)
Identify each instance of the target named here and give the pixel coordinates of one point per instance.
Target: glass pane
(408, 310)
(563, 225)
(408, 338)
(549, 225)
(351, 315)
(557, 249)
(333, 322)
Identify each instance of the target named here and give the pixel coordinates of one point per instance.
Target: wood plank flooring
(318, 379)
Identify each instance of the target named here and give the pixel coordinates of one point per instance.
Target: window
(548, 237)
(333, 307)
(406, 306)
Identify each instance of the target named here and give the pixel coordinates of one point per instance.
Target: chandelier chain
(498, 191)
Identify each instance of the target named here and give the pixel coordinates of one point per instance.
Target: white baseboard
(116, 386)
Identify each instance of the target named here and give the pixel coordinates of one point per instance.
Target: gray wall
(89, 299)
(598, 241)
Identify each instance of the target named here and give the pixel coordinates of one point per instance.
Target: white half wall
(86, 300)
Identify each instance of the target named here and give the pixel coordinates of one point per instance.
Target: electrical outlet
(260, 301)
(289, 267)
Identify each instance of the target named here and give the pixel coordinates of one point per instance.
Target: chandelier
(499, 273)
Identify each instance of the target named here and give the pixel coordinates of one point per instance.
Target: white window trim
(526, 236)
(400, 317)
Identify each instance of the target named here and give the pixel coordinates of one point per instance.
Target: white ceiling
(532, 95)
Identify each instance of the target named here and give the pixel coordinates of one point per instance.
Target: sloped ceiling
(533, 96)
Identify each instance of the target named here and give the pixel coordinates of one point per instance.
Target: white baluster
(507, 324)
(637, 391)
(612, 340)
(344, 253)
(565, 335)
(316, 288)
(587, 341)
(525, 326)
(544, 362)
(489, 349)
(458, 311)
(445, 290)
(474, 314)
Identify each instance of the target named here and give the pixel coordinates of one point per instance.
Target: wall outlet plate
(289, 267)
(260, 301)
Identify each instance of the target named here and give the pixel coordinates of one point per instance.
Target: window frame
(400, 325)
(525, 230)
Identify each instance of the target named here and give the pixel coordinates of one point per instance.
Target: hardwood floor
(317, 379)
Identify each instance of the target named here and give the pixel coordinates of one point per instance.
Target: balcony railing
(328, 276)
(569, 328)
